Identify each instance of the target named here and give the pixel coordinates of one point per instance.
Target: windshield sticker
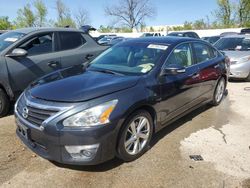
(146, 67)
(10, 39)
(158, 47)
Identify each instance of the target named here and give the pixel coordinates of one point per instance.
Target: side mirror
(173, 69)
(18, 52)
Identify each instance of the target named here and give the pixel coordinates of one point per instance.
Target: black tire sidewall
(122, 153)
(4, 108)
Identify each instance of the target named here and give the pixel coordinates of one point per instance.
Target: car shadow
(114, 163)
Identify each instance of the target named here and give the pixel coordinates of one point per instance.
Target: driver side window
(41, 44)
(181, 55)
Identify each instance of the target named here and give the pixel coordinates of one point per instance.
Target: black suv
(27, 54)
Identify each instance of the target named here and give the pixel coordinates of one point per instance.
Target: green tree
(224, 13)
(199, 24)
(243, 11)
(187, 25)
(41, 13)
(25, 17)
(5, 24)
(64, 15)
(104, 29)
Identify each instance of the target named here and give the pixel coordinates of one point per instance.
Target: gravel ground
(219, 134)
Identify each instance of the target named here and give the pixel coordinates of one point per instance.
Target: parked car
(228, 34)
(237, 48)
(2, 32)
(27, 54)
(151, 35)
(211, 39)
(113, 106)
(105, 40)
(184, 34)
(245, 31)
(102, 36)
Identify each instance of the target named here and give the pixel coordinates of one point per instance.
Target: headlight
(94, 116)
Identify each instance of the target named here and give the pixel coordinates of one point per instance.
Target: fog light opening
(87, 152)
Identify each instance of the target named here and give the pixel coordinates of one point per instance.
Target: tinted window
(70, 40)
(39, 45)
(181, 55)
(203, 52)
(237, 43)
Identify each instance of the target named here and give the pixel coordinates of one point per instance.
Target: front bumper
(50, 142)
(240, 70)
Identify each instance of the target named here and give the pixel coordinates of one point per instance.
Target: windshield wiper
(108, 71)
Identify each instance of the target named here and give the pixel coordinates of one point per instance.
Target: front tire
(4, 103)
(135, 136)
(219, 92)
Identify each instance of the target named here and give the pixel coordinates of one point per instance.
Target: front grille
(33, 114)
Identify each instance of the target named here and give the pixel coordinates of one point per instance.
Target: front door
(179, 91)
(41, 60)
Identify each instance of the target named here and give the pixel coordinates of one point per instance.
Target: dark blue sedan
(112, 106)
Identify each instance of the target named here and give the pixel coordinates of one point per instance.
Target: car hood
(236, 55)
(76, 86)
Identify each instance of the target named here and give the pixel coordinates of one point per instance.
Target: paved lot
(220, 135)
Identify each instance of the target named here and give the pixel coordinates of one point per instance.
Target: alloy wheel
(220, 91)
(137, 135)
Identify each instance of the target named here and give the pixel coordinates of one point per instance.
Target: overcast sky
(169, 12)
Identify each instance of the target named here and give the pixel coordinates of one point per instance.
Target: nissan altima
(112, 106)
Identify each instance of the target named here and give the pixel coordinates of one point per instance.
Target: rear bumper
(50, 143)
(241, 70)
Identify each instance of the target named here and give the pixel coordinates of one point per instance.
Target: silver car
(237, 48)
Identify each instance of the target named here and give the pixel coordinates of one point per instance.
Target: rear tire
(135, 136)
(219, 92)
(4, 103)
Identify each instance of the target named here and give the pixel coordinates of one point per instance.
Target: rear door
(179, 92)
(76, 48)
(41, 60)
(209, 64)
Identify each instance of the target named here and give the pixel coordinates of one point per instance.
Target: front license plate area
(24, 131)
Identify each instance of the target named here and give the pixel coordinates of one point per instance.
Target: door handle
(89, 56)
(53, 64)
(195, 75)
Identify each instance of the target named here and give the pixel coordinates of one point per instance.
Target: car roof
(238, 36)
(162, 40)
(49, 29)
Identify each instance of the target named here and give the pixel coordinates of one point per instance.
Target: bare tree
(82, 17)
(131, 13)
(64, 15)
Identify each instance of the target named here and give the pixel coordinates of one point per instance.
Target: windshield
(237, 43)
(129, 59)
(9, 38)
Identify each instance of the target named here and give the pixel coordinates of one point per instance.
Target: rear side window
(203, 52)
(70, 40)
(181, 55)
